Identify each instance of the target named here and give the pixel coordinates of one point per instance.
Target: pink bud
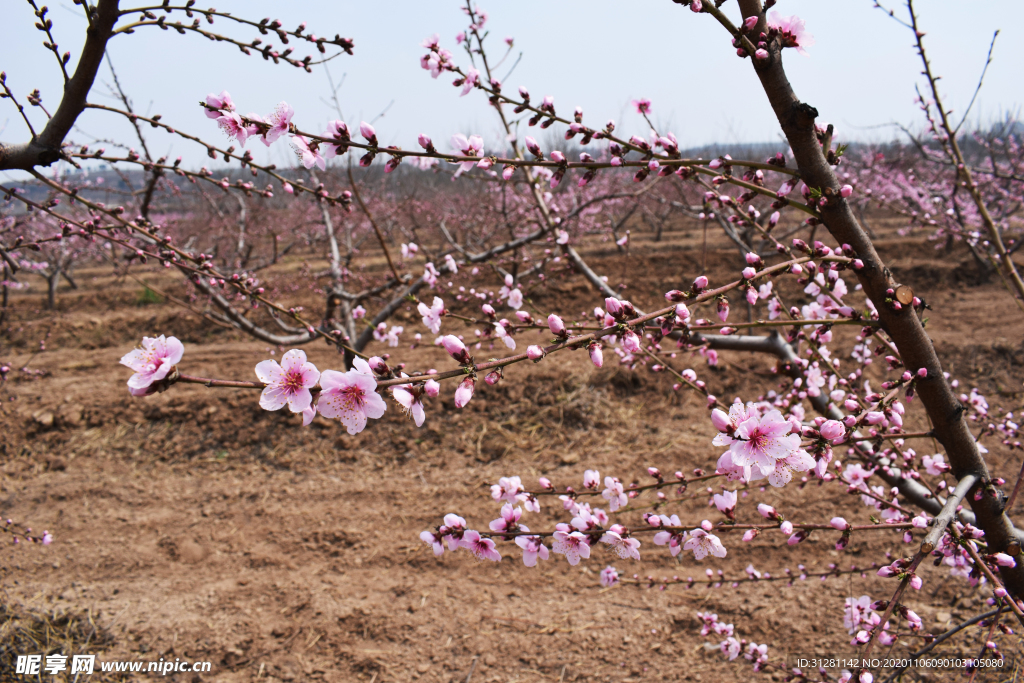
(488, 310)
(630, 341)
(833, 430)
(750, 23)
(556, 325)
(886, 571)
(761, 53)
(786, 527)
(706, 525)
(465, 392)
(720, 419)
(846, 190)
(767, 511)
(1004, 560)
(425, 141)
(750, 535)
(431, 388)
(454, 346)
(839, 523)
(534, 352)
(545, 483)
(700, 284)
(367, 131)
(922, 373)
(596, 356)
(916, 582)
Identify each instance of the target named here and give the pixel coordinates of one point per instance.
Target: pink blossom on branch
(432, 314)
(152, 362)
(643, 106)
(220, 103)
(351, 396)
(279, 122)
(482, 548)
(288, 383)
(792, 32)
(703, 544)
(308, 152)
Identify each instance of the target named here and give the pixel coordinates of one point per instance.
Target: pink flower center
(293, 381)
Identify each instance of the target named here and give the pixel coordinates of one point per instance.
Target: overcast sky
(598, 54)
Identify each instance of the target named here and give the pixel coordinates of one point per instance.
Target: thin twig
(380, 236)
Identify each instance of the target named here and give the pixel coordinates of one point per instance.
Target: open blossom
(643, 106)
(609, 577)
(279, 121)
(702, 544)
(410, 397)
(934, 464)
(515, 299)
(152, 362)
(509, 520)
(221, 103)
(533, 548)
(351, 396)
(233, 126)
(795, 461)
(792, 32)
(434, 541)
(288, 383)
(625, 547)
(483, 548)
(473, 146)
(614, 494)
(762, 440)
(509, 489)
(432, 314)
(308, 152)
(572, 544)
(471, 79)
(501, 333)
(725, 501)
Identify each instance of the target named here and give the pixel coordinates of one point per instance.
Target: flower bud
(465, 392)
(556, 325)
(596, 356)
(431, 388)
(534, 352)
(833, 430)
(454, 346)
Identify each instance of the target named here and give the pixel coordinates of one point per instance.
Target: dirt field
(194, 525)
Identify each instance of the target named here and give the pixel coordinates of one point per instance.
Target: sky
(598, 54)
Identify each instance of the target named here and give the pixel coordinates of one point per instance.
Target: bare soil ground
(192, 524)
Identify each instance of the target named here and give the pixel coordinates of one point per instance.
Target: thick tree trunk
(902, 326)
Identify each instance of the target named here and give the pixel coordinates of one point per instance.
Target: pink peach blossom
(152, 362)
(288, 383)
(351, 396)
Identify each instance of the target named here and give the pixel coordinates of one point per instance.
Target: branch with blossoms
(23, 534)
